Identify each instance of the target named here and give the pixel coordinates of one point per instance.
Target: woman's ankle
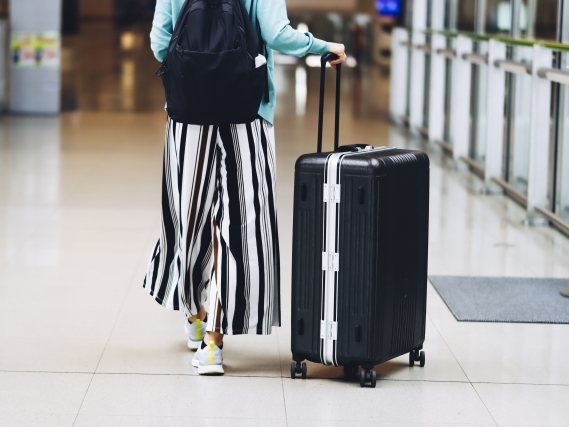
(202, 315)
(216, 337)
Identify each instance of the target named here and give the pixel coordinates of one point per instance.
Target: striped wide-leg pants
(219, 246)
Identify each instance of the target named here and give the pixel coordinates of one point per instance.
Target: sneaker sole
(211, 370)
(193, 345)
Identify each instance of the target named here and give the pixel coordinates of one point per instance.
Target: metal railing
(459, 48)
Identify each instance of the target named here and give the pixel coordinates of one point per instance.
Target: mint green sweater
(270, 21)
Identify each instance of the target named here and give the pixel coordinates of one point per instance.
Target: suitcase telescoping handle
(325, 59)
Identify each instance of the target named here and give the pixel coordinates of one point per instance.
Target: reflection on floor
(82, 344)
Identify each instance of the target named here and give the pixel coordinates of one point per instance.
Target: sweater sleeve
(280, 36)
(162, 29)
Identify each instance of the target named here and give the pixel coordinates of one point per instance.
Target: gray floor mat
(504, 299)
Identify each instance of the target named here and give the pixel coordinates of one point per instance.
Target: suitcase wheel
(417, 356)
(368, 376)
(298, 368)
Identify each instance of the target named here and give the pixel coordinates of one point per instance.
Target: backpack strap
(180, 23)
(252, 46)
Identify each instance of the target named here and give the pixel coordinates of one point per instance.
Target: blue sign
(388, 7)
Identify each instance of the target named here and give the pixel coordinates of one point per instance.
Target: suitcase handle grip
(354, 148)
(325, 59)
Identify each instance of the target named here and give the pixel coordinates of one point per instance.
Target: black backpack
(209, 74)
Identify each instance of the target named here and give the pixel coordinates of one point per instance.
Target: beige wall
(97, 8)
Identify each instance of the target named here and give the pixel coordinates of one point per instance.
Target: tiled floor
(82, 344)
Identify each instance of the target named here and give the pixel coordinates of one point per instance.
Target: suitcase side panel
(407, 259)
(422, 256)
(356, 290)
(383, 264)
(307, 265)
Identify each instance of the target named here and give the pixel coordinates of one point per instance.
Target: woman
(218, 252)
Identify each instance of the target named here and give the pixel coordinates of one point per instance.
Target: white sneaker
(208, 359)
(195, 332)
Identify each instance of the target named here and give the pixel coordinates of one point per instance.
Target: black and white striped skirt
(219, 246)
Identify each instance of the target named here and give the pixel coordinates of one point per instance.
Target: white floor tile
(44, 420)
(184, 396)
(508, 352)
(372, 422)
(526, 405)
(48, 355)
(390, 402)
(41, 399)
(197, 420)
(155, 343)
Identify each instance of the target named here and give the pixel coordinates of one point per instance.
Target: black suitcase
(360, 247)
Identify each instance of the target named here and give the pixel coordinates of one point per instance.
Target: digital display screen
(388, 7)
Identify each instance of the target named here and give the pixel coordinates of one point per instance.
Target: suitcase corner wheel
(298, 368)
(368, 376)
(417, 356)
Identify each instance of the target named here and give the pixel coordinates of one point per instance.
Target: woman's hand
(338, 49)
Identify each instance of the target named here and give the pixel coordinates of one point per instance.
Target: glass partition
(518, 131)
(448, 93)
(498, 17)
(562, 205)
(561, 156)
(466, 16)
(545, 20)
(479, 99)
(427, 84)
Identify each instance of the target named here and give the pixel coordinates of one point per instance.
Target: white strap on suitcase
(330, 257)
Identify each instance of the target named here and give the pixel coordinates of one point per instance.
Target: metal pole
(460, 112)
(494, 134)
(437, 11)
(532, 11)
(515, 18)
(480, 19)
(409, 13)
(563, 21)
(515, 6)
(452, 14)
